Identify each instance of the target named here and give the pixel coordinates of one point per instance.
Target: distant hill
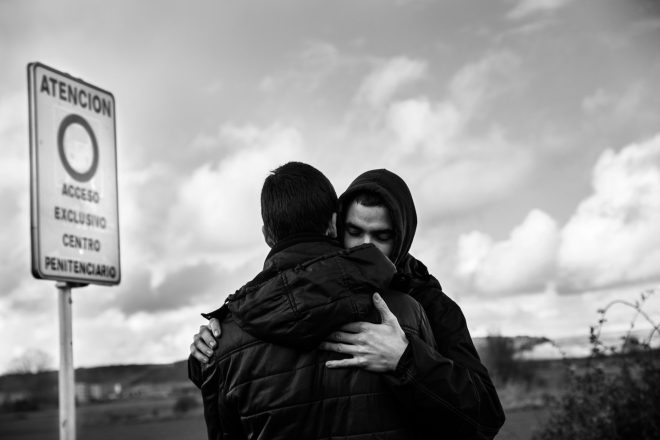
(177, 372)
(134, 374)
(153, 374)
(157, 374)
(126, 375)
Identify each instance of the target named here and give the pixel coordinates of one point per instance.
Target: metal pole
(66, 379)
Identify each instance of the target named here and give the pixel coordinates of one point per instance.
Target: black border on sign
(34, 196)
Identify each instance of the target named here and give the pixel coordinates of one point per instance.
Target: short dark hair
(296, 198)
(368, 198)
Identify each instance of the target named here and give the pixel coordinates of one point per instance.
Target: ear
(332, 227)
(269, 239)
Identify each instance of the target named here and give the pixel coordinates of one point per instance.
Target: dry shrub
(185, 403)
(617, 393)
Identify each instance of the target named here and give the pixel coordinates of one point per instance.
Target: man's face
(369, 224)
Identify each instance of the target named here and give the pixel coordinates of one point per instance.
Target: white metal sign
(75, 222)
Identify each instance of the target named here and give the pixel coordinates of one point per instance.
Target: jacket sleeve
(447, 381)
(195, 371)
(222, 419)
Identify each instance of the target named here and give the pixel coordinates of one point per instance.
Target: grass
(155, 419)
(143, 419)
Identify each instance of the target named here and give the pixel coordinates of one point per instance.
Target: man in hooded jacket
(459, 399)
(268, 379)
(447, 387)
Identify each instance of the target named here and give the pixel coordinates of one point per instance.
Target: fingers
(385, 314)
(206, 336)
(214, 325)
(345, 363)
(356, 327)
(194, 352)
(203, 346)
(205, 342)
(346, 338)
(340, 348)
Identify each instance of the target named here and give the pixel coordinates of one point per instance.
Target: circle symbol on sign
(77, 147)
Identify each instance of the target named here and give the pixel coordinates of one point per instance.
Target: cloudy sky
(527, 130)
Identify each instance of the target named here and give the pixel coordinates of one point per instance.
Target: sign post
(67, 392)
(74, 206)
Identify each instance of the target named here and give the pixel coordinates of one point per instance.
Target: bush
(617, 393)
(500, 356)
(21, 405)
(184, 404)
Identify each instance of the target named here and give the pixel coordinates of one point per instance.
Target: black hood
(399, 201)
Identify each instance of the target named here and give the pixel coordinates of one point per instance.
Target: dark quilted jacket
(267, 380)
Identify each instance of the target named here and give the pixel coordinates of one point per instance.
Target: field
(154, 420)
(125, 420)
(525, 404)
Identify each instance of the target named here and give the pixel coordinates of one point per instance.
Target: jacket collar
(286, 253)
(298, 248)
(308, 289)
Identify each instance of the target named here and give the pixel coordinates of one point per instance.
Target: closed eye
(384, 235)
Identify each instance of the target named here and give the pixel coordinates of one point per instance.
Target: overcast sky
(527, 130)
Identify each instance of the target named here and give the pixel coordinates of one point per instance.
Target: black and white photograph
(349, 219)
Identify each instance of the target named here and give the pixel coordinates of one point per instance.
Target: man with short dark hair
(454, 394)
(267, 379)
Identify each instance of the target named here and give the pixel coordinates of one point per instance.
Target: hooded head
(396, 199)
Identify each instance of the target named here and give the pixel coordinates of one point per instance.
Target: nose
(366, 239)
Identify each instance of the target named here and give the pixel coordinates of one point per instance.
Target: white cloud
(154, 337)
(558, 316)
(525, 8)
(612, 239)
(15, 244)
(618, 105)
(525, 262)
(453, 169)
(14, 140)
(42, 335)
(527, 29)
(422, 125)
(614, 235)
(598, 100)
(14, 192)
(477, 84)
(217, 208)
(321, 56)
(420, 122)
(466, 174)
(384, 82)
(214, 87)
(317, 61)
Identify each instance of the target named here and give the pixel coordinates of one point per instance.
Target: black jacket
(458, 399)
(267, 380)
